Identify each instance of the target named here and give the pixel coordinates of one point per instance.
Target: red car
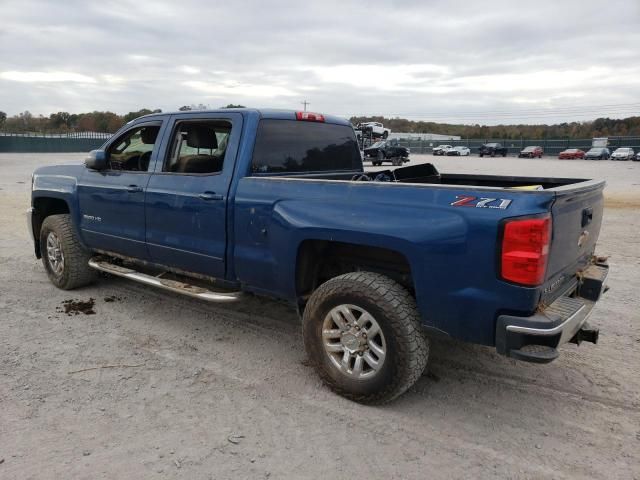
(571, 153)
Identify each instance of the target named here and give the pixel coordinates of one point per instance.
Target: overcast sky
(469, 61)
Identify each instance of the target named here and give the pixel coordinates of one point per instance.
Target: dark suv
(492, 149)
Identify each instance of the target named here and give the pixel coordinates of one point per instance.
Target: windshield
(571, 150)
(377, 145)
(623, 150)
(595, 150)
(459, 148)
(491, 144)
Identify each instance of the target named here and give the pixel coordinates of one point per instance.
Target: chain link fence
(51, 142)
(550, 146)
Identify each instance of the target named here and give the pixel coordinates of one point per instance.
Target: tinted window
(297, 146)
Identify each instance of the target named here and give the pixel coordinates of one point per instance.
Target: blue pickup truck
(220, 204)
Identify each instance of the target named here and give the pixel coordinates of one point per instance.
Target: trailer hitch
(586, 334)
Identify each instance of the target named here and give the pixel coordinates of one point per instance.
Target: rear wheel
(363, 334)
(385, 134)
(64, 259)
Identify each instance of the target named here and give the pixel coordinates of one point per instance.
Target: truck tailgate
(577, 216)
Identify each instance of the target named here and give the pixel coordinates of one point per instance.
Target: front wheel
(63, 257)
(385, 135)
(362, 333)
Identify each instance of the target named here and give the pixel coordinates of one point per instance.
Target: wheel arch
(43, 207)
(318, 260)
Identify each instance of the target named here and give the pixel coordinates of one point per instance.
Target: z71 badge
(480, 202)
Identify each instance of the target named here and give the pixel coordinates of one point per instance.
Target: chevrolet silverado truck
(221, 204)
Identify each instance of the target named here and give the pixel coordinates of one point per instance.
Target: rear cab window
(292, 146)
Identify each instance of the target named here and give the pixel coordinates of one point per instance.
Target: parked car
(459, 151)
(597, 153)
(387, 151)
(571, 153)
(623, 153)
(637, 157)
(492, 149)
(441, 149)
(368, 264)
(531, 152)
(376, 129)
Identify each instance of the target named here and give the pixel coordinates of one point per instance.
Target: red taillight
(525, 248)
(309, 117)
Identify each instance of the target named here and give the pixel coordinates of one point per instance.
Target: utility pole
(305, 103)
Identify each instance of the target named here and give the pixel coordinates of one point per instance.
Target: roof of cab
(267, 113)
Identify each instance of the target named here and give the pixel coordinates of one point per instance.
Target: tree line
(65, 122)
(601, 127)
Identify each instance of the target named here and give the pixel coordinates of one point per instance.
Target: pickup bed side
(450, 251)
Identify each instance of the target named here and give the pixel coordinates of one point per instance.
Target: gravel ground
(197, 391)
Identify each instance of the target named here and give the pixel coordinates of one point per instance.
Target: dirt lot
(200, 391)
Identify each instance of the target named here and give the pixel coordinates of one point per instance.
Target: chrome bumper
(535, 338)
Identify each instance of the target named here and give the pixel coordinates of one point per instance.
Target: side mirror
(96, 160)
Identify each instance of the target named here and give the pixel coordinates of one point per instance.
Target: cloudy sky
(502, 61)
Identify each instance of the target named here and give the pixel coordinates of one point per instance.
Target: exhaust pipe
(586, 334)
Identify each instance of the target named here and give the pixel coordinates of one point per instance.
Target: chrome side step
(100, 263)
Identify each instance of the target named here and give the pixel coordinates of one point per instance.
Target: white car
(623, 153)
(442, 149)
(459, 151)
(376, 128)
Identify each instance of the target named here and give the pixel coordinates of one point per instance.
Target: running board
(172, 285)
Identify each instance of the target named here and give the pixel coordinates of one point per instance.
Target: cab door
(112, 201)
(187, 196)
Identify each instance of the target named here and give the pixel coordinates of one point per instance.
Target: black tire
(75, 271)
(481, 155)
(385, 135)
(505, 154)
(397, 315)
(380, 157)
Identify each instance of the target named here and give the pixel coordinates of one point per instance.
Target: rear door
(187, 196)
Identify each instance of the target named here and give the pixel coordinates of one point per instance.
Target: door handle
(210, 196)
(134, 188)
(587, 216)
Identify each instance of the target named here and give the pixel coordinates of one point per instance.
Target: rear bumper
(536, 338)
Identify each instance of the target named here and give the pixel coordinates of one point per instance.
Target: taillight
(309, 117)
(525, 249)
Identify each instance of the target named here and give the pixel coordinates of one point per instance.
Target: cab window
(132, 151)
(198, 147)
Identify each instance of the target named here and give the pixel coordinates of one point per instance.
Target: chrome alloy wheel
(54, 254)
(354, 341)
